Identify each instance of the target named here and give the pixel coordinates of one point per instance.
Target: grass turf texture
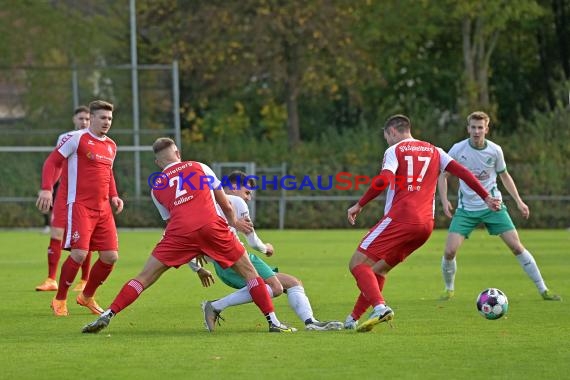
(162, 333)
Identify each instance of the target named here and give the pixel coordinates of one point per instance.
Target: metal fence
(36, 105)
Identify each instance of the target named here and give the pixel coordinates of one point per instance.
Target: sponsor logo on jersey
(415, 148)
(90, 142)
(110, 150)
(483, 175)
(64, 139)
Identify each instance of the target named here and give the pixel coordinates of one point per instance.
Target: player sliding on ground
(277, 283)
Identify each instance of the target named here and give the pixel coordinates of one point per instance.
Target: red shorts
(392, 241)
(89, 229)
(214, 240)
(59, 211)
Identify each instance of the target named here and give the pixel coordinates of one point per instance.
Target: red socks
(380, 280)
(362, 303)
(368, 284)
(53, 256)
(69, 270)
(360, 307)
(86, 266)
(258, 292)
(99, 274)
(128, 294)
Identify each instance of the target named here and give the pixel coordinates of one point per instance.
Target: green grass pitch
(162, 335)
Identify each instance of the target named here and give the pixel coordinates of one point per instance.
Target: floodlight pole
(75, 87)
(135, 96)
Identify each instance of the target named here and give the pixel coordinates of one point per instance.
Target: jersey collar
(477, 148)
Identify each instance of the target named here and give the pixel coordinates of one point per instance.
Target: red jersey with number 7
(183, 195)
(416, 165)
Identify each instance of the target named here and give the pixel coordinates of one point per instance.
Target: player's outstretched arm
(226, 205)
(205, 276)
(493, 203)
(509, 184)
(463, 173)
(353, 212)
(377, 187)
(442, 190)
(244, 225)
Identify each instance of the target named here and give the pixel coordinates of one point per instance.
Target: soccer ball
(492, 303)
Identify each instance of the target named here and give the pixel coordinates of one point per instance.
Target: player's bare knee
(78, 255)
(57, 233)
(108, 257)
(276, 288)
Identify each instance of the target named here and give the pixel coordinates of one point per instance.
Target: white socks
(238, 297)
(296, 296)
(529, 265)
(525, 259)
(300, 303)
(448, 269)
(349, 319)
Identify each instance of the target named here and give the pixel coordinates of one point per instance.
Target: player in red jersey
(91, 191)
(58, 218)
(410, 171)
(186, 193)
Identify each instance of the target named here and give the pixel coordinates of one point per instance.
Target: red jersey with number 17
(184, 196)
(416, 165)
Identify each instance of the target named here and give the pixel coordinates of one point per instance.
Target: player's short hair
(478, 115)
(97, 105)
(400, 122)
(239, 177)
(80, 109)
(161, 144)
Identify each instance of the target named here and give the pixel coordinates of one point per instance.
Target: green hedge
(537, 158)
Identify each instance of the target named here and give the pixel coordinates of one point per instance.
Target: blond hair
(161, 144)
(478, 115)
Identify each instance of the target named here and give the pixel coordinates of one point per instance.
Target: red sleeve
(113, 187)
(463, 173)
(52, 170)
(379, 183)
(57, 175)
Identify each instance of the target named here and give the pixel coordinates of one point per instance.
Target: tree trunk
(292, 92)
(469, 63)
(477, 53)
(562, 34)
(546, 68)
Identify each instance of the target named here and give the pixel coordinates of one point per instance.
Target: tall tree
(482, 23)
(286, 48)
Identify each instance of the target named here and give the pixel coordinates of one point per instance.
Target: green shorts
(234, 280)
(496, 222)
